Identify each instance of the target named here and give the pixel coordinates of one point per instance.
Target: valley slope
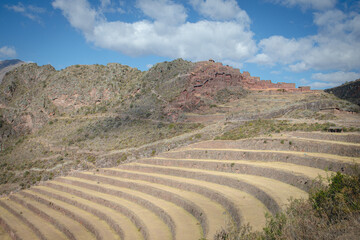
(89, 116)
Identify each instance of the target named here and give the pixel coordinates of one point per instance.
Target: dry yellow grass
(249, 208)
(216, 214)
(78, 230)
(48, 230)
(130, 231)
(157, 229)
(179, 195)
(19, 228)
(101, 227)
(319, 140)
(187, 227)
(3, 234)
(281, 194)
(292, 168)
(311, 154)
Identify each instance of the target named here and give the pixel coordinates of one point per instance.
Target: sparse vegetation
(265, 127)
(329, 208)
(129, 121)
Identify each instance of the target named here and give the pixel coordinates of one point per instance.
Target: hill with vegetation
(181, 151)
(349, 91)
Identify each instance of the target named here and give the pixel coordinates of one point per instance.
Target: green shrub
(331, 212)
(274, 226)
(153, 152)
(91, 159)
(198, 136)
(340, 198)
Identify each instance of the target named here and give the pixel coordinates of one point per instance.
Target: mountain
(348, 91)
(8, 65)
(190, 146)
(89, 116)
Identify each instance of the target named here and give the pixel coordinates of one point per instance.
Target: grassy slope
(116, 109)
(102, 108)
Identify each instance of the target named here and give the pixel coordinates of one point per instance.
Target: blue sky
(309, 42)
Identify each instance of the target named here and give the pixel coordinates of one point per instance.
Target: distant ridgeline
(32, 94)
(8, 65)
(348, 91)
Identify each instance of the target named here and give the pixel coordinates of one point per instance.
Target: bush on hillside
(331, 212)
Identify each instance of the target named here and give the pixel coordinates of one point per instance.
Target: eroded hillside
(348, 91)
(86, 117)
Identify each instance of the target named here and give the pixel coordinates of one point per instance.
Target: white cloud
(220, 10)
(164, 11)
(281, 49)
(32, 12)
(322, 85)
(303, 81)
(194, 41)
(105, 3)
(336, 77)
(7, 52)
(79, 13)
(306, 4)
(108, 6)
(336, 46)
(20, 8)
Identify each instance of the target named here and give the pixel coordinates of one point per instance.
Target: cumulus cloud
(322, 85)
(108, 6)
(336, 77)
(220, 10)
(30, 11)
(164, 11)
(79, 13)
(7, 52)
(105, 3)
(283, 50)
(223, 36)
(163, 35)
(336, 46)
(306, 4)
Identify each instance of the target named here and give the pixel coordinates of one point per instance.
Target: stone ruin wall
(211, 77)
(208, 77)
(254, 83)
(222, 76)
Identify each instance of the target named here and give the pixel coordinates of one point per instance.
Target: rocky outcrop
(210, 83)
(205, 83)
(31, 95)
(349, 91)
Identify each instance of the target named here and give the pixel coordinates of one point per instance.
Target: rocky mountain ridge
(91, 116)
(32, 94)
